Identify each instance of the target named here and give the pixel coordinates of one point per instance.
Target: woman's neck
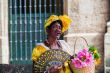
(52, 41)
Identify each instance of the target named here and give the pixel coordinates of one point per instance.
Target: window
(26, 26)
(48, 6)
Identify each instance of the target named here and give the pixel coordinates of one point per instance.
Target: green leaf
(92, 48)
(96, 56)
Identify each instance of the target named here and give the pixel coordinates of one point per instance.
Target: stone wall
(87, 15)
(89, 21)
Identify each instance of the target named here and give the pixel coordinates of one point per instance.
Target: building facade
(89, 17)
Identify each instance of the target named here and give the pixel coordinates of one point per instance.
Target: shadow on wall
(109, 9)
(108, 14)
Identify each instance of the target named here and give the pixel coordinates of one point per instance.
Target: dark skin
(54, 32)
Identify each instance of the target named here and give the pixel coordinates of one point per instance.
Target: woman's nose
(58, 29)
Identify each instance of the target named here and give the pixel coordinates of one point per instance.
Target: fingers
(55, 69)
(57, 66)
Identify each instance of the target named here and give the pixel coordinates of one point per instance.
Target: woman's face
(55, 30)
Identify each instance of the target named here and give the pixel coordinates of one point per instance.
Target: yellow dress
(39, 49)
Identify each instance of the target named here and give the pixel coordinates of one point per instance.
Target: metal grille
(26, 26)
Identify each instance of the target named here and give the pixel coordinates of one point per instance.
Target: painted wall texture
(89, 21)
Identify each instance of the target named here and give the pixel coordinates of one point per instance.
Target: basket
(48, 59)
(88, 69)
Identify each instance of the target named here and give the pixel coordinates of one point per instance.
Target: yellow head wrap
(64, 18)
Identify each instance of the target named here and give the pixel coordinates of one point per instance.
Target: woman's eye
(59, 27)
(54, 28)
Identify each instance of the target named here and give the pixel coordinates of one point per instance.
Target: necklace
(46, 42)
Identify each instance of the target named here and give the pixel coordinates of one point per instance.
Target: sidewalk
(5, 68)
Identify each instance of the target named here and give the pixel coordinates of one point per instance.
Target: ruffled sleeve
(66, 47)
(37, 51)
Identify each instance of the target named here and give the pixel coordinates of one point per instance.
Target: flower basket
(88, 69)
(84, 60)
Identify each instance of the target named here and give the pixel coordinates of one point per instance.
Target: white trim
(65, 47)
(4, 23)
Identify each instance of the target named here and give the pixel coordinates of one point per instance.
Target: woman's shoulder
(37, 51)
(63, 42)
(40, 46)
(66, 47)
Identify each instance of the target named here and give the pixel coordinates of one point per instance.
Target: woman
(54, 26)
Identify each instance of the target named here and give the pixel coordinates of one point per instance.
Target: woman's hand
(55, 69)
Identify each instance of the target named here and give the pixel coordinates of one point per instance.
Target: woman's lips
(58, 34)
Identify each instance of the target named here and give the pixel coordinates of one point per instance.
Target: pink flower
(82, 59)
(77, 63)
(85, 50)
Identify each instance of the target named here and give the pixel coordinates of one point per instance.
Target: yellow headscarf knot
(66, 21)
